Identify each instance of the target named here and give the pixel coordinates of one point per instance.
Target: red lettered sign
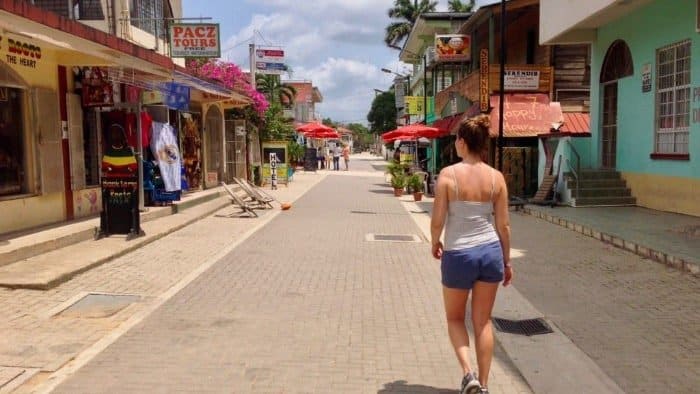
(195, 40)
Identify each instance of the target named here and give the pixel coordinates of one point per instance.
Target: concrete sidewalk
(665, 237)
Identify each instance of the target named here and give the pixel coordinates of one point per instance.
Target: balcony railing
(468, 87)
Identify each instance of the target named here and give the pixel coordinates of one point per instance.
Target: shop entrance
(235, 150)
(12, 148)
(214, 147)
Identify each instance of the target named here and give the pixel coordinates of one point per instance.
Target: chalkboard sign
(310, 160)
(120, 201)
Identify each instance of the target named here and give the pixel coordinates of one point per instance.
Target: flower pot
(418, 196)
(398, 192)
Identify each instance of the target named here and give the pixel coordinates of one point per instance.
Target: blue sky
(337, 44)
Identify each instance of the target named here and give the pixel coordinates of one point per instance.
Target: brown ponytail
(475, 132)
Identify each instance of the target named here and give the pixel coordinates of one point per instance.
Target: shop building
(64, 74)
(545, 85)
(644, 94)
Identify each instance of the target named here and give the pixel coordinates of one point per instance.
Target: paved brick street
(636, 318)
(304, 305)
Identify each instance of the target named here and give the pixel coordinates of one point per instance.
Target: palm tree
(273, 88)
(407, 12)
(458, 6)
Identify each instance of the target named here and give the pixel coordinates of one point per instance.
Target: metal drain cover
(522, 327)
(95, 305)
(393, 237)
(364, 212)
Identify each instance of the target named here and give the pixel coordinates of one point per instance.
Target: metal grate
(522, 327)
(96, 305)
(364, 212)
(393, 237)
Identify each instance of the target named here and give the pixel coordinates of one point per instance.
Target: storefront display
(191, 150)
(11, 141)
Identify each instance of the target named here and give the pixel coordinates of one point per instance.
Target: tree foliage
(459, 6)
(276, 126)
(404, 14)
(382, 114)
(274, 89)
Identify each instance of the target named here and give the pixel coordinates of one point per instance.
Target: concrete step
(26, 244)
(598, 183)
(604, 201)
(589, 174)
(604, 192)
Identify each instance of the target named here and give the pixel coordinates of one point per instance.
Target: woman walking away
(476, 255)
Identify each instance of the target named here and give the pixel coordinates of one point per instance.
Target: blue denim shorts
(462, 267)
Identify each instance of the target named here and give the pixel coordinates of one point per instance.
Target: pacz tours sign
(20, 52)
(195, 40)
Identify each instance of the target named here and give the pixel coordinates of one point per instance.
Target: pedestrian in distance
(336, 157)
(346, 156)
(476, 254)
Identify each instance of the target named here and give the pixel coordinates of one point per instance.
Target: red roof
(577, 124)
(304, 91)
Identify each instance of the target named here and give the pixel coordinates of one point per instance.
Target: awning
(211, 90)
(525, 115)
(576, 124)
(449, 125)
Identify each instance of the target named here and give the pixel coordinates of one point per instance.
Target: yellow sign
(414, 105)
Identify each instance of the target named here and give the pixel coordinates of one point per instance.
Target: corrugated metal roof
(576, 123)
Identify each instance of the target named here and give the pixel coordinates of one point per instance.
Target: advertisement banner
(270, 61)
(484, 90)
(399, 92)
(195, 40)
(452, 47)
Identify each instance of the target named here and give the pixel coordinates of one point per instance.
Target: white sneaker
(470, 385)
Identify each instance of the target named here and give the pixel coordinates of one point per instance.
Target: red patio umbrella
(415, 130)
(314, 127)
(322, 134)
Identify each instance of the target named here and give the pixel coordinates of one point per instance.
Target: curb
(611, 239)
(140, 242)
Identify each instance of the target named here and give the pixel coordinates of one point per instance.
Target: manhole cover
(393, 237)
(364, 212)
(99, 305)
(522, 327)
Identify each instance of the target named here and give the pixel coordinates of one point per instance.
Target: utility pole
(425, 90)
(503, 88)
(251, 48)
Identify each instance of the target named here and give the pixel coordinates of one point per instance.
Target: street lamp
(408, 77)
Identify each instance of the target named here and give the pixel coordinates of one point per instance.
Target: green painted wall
(645, 30)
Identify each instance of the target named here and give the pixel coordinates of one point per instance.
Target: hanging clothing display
(191, 151)
(165, 149)
(128, 121)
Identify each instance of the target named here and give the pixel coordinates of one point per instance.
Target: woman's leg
(455, 305)
(483, 298)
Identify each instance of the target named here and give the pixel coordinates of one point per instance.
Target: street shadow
(425, 206)
(401, 386)
(389, 191)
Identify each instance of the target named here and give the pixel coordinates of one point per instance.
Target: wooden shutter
(76, 142)
(48, 135)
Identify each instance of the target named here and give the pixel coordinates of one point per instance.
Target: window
(11, 142)
(89, 10)
(672, 98)
(148, 15)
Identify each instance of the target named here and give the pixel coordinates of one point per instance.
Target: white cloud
(337, 44)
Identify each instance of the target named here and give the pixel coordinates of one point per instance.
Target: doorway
(214, 147)
(608, 138)
(616, 65)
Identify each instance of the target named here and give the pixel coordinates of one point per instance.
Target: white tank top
(469, 223)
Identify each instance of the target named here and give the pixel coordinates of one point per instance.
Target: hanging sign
(452, 47)
(484, 80)
(414, 105)
(20, 51)
(195, 40)
(521, 79)
(270, 61)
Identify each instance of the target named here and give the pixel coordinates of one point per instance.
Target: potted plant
(415, 184)
(398, 182)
